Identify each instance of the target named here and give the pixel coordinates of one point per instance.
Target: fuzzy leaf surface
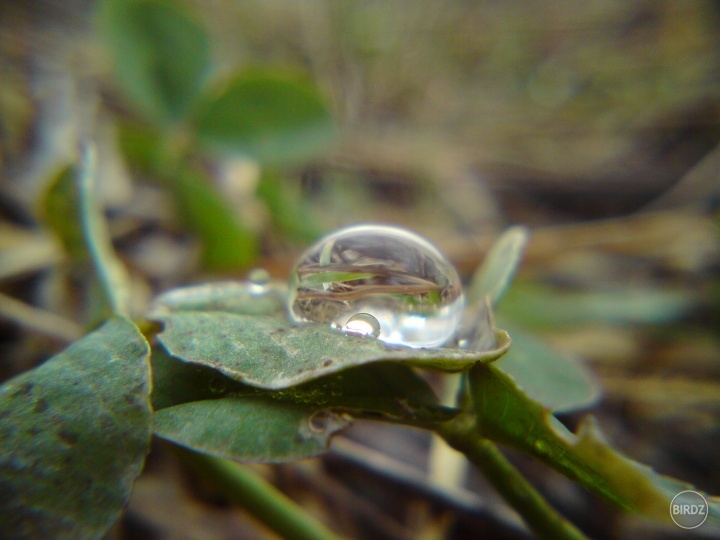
(74, 433)
(271, 353)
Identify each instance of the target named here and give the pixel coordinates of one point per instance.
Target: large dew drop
(389, 273)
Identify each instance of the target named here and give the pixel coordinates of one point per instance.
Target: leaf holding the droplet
(71, 211)
(552, 378)
(495, 274)
(74, 433)
(505, 414)
(267, 115)
(271, 353)
(250, 428)
(390, 391)
(160, 53)
(239, 297)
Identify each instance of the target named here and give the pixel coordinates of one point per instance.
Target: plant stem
(540, 517)
(248, 489)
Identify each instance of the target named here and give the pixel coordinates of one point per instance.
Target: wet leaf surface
(270, 353)
(239, 297)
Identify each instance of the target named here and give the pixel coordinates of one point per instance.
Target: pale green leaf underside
(74, 433)
(386, 390)
(553, 379)
(495, 274)
(250, 429)
(271, 353)
(70, 209)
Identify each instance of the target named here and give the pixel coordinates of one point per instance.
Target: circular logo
(688, 509)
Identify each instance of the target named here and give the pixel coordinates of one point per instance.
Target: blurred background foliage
(596, 124)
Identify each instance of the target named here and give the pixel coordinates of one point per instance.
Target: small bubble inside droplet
(259, 279)
(363, 325)
(463, 344)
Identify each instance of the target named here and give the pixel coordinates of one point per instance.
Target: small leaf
(161, 55)
(74, 433)
(289, 212)
(553, 379)
(381, 390)
(70, 209)
(227, 243)
(250, 428)
(142, 147)
(240, 297)
(495, 274)
(547, 307)
(268, 116)
(505, 414)
(270, 353)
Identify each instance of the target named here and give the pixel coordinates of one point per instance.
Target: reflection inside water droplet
(363, 324)
(387, 273)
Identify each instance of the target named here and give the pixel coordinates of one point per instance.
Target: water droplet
(391, 274)
(363, 325)
(259, 279)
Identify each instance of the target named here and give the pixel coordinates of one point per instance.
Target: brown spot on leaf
(68, 437)
(41, 405)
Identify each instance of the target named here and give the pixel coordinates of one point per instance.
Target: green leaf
(507, 415)
(381, 390)
(271, 353)
(240, 297)
(227, 243)
(70, 210)
(495, 274)
(270, 116)
(142, 146)
(160, 53)
(74, 433)
(533, 305)
(289, 212)
(550, 377)
(250, 428)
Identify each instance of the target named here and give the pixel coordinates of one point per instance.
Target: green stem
(541, 518)
(248, 489)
